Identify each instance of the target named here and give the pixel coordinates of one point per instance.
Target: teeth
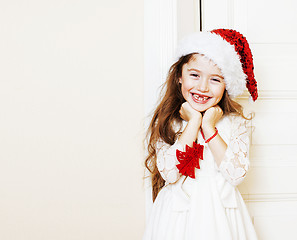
(200, 98)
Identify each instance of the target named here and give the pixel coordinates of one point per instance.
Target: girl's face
(202, 83)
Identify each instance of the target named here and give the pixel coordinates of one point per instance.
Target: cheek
(184, 91)
(185, 87)
(220, 92)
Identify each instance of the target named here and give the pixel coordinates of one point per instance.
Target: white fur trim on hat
(222, 53)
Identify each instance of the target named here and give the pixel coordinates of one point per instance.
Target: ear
(179, 80)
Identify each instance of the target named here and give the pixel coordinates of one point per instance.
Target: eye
(216, 80)
(194, 75)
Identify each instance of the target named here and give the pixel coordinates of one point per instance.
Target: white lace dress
(210, 206)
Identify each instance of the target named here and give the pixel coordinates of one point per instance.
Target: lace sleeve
(167, 161)
(235, 163)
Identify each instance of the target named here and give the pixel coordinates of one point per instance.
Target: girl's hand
(188, 113)
(194, 119)
(211, 117)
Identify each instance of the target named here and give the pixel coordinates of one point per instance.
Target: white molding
(240, 16)
(160, 26)
(270, 197)
(197, 15)
(160, 36)
(168, 34)
(269, 162)
(230, 14)
(271, 95)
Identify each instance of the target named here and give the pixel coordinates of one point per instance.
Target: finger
(220, 110)
(218, 107)
(182, 117)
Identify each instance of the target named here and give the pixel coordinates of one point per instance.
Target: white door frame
(160, 39)
(160, 36)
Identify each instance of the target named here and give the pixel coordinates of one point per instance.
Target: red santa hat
(230, 51)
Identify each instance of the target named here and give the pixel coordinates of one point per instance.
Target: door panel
(270, 189)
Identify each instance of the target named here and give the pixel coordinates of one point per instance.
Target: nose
(202, 85)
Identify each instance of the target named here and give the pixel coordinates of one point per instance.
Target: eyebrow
(216, 75)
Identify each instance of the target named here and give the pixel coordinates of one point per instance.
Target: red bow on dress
(189, 160)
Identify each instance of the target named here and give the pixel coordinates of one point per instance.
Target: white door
(270, 189)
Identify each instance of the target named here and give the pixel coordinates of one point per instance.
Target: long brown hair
(166, 117)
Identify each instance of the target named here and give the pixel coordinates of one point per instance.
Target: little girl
(198, 142)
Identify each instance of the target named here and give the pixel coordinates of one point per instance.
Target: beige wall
(71, 114)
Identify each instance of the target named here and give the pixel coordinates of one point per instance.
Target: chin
(200, 108)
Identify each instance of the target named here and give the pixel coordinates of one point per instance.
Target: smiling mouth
(200, 98)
